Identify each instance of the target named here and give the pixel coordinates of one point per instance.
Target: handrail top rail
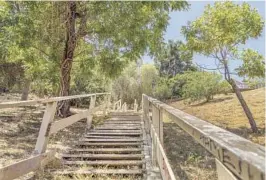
(12, 104)
(221, 143)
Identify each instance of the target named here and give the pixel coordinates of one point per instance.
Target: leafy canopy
(221, 29)
(174, 58)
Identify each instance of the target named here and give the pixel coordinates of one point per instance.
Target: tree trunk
(244, 106)
(25, 91)
(240, 97)
(67, 60)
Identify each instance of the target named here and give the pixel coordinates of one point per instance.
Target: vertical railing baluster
(92, 105)
(43, 135)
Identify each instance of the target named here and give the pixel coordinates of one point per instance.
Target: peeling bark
(67, 59)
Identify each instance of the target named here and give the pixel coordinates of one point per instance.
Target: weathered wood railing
(118, 106)
(40, 157)
(236, 157)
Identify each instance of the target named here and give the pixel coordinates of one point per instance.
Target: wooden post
(105, 105)
(120, 104)
(89, 117)
(153, 148)
(145, 110)
(108, 102)
(161, 126)
(43, 136)
(222, 172)
(156, 119)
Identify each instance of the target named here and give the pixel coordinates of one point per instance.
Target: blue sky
(179, 19)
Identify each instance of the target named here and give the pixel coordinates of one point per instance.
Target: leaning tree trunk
(240, 98)
(67, 60)
(244, 106)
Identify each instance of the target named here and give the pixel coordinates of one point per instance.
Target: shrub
(163, 89)
(200, 85)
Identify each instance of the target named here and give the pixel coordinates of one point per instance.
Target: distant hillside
(225, 111)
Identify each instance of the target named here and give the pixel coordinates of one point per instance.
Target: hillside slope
(225, 111)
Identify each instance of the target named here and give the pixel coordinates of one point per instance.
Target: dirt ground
(19, 128)
(188, 159)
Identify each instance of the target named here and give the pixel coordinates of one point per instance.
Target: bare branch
(212, 69)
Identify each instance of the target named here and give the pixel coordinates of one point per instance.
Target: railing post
(43, 136)
(120, 104)
(135, 106)
(156, 119)
(145, 113)
(161, 126)
(222, 172)
(105, 105)
(92, 105)
(153, 148)
(108, 102)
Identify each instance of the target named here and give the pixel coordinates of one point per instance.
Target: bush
(200, 85)
(224, 87)
(163, 89)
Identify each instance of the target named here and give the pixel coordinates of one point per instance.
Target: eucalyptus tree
(218, 34)
(119, 32)
(174, 58)
(54, 35)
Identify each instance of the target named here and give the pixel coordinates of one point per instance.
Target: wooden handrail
(43, 101)
(117, 105)
(243, 158)
(25, 166)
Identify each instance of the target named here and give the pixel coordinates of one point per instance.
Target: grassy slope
(225, 111)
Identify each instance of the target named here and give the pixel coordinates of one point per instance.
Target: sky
(180, 18)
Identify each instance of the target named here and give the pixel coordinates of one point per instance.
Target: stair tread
(112, 140)
(105, 162)
(113, 133)
(110, 144)
(100, 171)
(104, 156)
(115, 130)
(121, 122)
(107, 137)
(107, 149)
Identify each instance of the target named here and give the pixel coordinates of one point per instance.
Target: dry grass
(188, 159)
(19, 128)
(225, 111)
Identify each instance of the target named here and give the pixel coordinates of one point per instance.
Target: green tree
(253, 65)
(109, 33)
(127, 86)
(149, 79)
(163, 89)
(219, 32)
(200, 85)
(174, 58)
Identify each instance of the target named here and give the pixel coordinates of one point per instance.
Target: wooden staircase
(114, 148)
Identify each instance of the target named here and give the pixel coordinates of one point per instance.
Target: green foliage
(253, 64)
(226, 24)
(174, 58)
(163, 89)
(200, 85)
(109, 36)
(127, 86)
(255, 83)
(221, 29)
(224, 87)
(149, 78)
